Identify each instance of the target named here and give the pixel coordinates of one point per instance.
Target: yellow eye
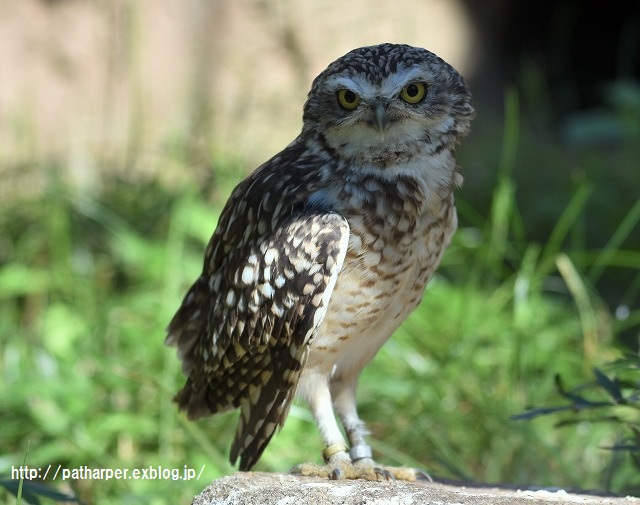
(348, 99)
(414, 93)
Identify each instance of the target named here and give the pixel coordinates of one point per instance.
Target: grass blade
(605, 257)
(567, 220)
(587, 313)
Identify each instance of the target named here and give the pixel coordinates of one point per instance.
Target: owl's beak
(380, 114)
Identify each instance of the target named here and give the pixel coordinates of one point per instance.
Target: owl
(323, 251)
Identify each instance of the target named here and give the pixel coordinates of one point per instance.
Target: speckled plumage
(324, 250)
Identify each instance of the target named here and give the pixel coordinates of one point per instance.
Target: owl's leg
(342, 463)
(338, 463)
(344, 402)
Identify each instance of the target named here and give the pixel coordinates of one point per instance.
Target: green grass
(88, 282)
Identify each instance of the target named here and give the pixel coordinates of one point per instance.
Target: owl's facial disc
(377, 121)
(378, 105)
(379, 130)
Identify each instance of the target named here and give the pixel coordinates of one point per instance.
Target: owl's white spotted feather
(324, 250)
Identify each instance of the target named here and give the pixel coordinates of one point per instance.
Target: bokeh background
(124, 125)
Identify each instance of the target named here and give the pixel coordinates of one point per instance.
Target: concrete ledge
(253, 488)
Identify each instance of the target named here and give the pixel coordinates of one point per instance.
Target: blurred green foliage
(616, 400)
(89, 280)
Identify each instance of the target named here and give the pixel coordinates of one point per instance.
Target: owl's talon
(384, 473)
(336, 474)
(422, 475)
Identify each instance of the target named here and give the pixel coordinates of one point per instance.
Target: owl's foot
(339, 467)
(368, 467)
(348, 470)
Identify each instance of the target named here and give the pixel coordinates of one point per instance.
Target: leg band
(360, 452)
(332, 449)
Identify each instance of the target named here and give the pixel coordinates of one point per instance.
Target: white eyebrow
(389, 87)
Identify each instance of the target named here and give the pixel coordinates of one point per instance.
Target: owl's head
(383, 104)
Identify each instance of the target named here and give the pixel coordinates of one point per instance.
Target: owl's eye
(348, 99)
(414, 93)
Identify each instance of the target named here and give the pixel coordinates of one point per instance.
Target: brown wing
(244, 328)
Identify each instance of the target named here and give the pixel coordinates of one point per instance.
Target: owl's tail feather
(258, 422)
(193, 401)
(265, 408)
(189, 323)
(205, 394)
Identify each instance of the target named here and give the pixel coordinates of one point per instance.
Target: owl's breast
(397, 254)
(393, 252)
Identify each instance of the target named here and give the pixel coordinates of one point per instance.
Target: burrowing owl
(323, 251)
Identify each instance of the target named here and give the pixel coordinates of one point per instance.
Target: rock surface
(252, 488)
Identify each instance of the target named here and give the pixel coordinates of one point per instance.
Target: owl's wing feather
(265, 302)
